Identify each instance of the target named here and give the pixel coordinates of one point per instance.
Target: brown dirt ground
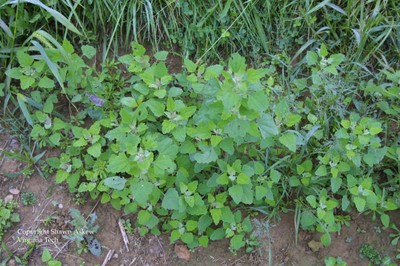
(156, 250)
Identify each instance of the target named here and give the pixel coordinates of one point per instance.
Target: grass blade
(21, 102)
(318, 7)
(56, 15)
(6, 29)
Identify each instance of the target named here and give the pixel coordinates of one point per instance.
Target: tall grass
(366, 31)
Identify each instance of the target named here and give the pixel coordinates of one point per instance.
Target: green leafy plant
(187, 151)
(395, 238)
(332, 261)
(48, 258)
(83, 231)
(374, 256)
(28, 198)
(12, 258)
(127, 225)
(7, 215)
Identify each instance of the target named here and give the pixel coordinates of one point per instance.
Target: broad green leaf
(119, 163)
(243, 179)
(187, 238)
(203, 241)
(55, 138)
(236, 192)
(374, 156)
(95, 150)
(187, 112)
(156, 107)
(164, 163)
(336, 182)
(326, 239)
(261, 192)
(80, 142)
(254, 75)
(144, 217)
(105, 198)
(258, 101)
(248, 194)
(292, 119)
(312, 58)
(190, 66)
(321, 171)
(289, 140)
(336, 59)
(213, 72)
(88, 51)
(160, 93)
(267, 126)
(360, 203)
(26, 82)
(216, 215)
(66, 45)
(15, 73)
(385, 219)
(307, 219)
(171, 200)
(24, 59)
(218, 234)
(46, 256)
(227, 215)
(207, 156)
(48, 106)
(237, 242)
(167, 126)
(312, 200)
(161, 55)
(275, 176)
(129, 102)
(204, 222)
(141, 191)
(237, 63)
(115, 182)
(237, 128)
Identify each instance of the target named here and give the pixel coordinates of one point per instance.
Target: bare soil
(277, 247)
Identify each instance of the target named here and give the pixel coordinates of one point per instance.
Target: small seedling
(48, 258)
(395, 236)
(12, 258)
(83, 231)
(49, 219)
(332, 261)
(7, 215)
(127, 226)
(377, 229)
(28, 198)
(374, 256)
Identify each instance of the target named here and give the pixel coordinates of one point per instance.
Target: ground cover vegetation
(279, 105)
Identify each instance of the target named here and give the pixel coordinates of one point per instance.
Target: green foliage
(20, 259)
(28, 198)
(83, 231)
(374, 256)
(187, 152)
(332, 261)
(48, 258)
(127, 226)
(7, 215)
(256, 28)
